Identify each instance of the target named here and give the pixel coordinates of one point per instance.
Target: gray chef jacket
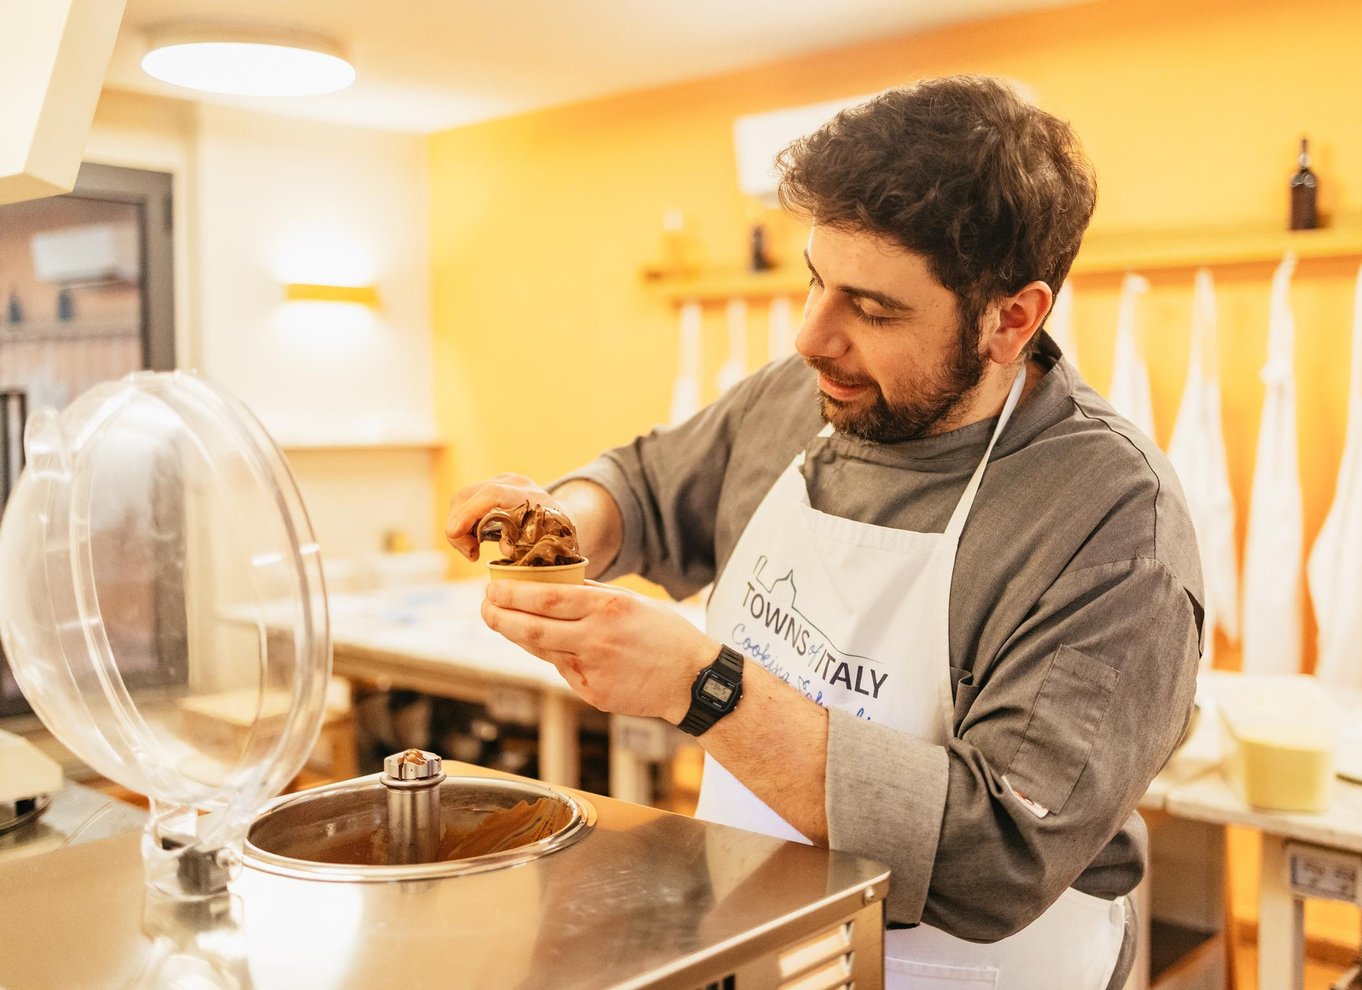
(1075, 624)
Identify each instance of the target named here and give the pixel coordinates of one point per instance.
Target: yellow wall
(548, 348)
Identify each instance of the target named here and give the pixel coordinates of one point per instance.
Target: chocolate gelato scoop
(531, 535)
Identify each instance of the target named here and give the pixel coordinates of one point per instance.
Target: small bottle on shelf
(1304, 189)
(758, 260)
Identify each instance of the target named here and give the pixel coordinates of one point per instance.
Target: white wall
(264, 200)
(283, 200)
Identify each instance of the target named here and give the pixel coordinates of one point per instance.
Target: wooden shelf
(721, 286)
(54, 331)
(1167, 250)
(1102, 253)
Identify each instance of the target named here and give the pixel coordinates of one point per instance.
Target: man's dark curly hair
(993, 191)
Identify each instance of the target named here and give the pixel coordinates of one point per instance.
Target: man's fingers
(502, 481)
(465, 512)
(466, 545)
(459, 523)
(470, 504)
(555, 601)
(540, 635)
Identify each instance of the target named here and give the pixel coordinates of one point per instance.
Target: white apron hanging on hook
(734, 368)
(1129, 393)
(1197, 451)
(1335, 570)
(779, 330)
(1272, 558)
(686, 389)
(1060, 325)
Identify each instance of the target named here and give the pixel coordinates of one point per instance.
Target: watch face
(716, 690)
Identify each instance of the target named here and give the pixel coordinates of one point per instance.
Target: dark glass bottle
(1304, 187)
(757, 258)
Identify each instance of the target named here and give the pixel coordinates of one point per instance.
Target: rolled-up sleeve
(1055, 743)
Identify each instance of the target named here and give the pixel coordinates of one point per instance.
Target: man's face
(885, 337)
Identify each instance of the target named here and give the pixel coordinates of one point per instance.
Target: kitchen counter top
(1193, 785)
(1194, 788)
(77, 814)
(646, 899)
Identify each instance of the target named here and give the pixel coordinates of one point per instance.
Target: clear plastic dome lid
(161, 597)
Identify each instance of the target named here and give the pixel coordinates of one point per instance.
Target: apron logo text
(773, 605)
(782, 623)
(835, 670)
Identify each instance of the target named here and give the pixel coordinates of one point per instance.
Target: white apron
(827, 604)
(1335, 565)
(1197, 451)
(1129, 393)
(1272, 602)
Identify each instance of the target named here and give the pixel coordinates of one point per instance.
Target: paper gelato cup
(552, 574)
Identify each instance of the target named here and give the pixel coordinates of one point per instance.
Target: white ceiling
(426, 65)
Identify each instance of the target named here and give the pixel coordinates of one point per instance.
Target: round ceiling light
(246, 62)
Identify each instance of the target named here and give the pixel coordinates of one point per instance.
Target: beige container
(554, 574)
(1280, 733)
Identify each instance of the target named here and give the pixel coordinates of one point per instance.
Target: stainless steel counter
(645, 899)
(76, 815)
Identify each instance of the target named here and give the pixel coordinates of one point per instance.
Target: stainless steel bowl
(340, 832)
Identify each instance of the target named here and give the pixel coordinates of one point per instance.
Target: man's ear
(1019, 316)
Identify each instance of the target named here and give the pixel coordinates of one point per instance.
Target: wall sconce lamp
(363, 295)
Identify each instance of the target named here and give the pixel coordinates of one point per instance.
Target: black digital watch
(716, 692)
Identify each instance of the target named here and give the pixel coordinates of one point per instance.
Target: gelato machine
(152, 514)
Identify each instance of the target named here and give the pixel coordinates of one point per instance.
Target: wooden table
(1198, 800)
(431, 638)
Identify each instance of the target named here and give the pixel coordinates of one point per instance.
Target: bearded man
(956, 612)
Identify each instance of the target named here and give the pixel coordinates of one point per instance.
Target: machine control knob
(413, 764)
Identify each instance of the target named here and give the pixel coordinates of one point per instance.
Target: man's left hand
(620, 652)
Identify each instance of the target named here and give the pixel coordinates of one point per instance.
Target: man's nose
(822, 333)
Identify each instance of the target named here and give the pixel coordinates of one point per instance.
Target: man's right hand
(470, 504)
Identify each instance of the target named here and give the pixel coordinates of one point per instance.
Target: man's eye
(871, 318)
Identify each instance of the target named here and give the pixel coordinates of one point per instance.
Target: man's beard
(932, 400)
